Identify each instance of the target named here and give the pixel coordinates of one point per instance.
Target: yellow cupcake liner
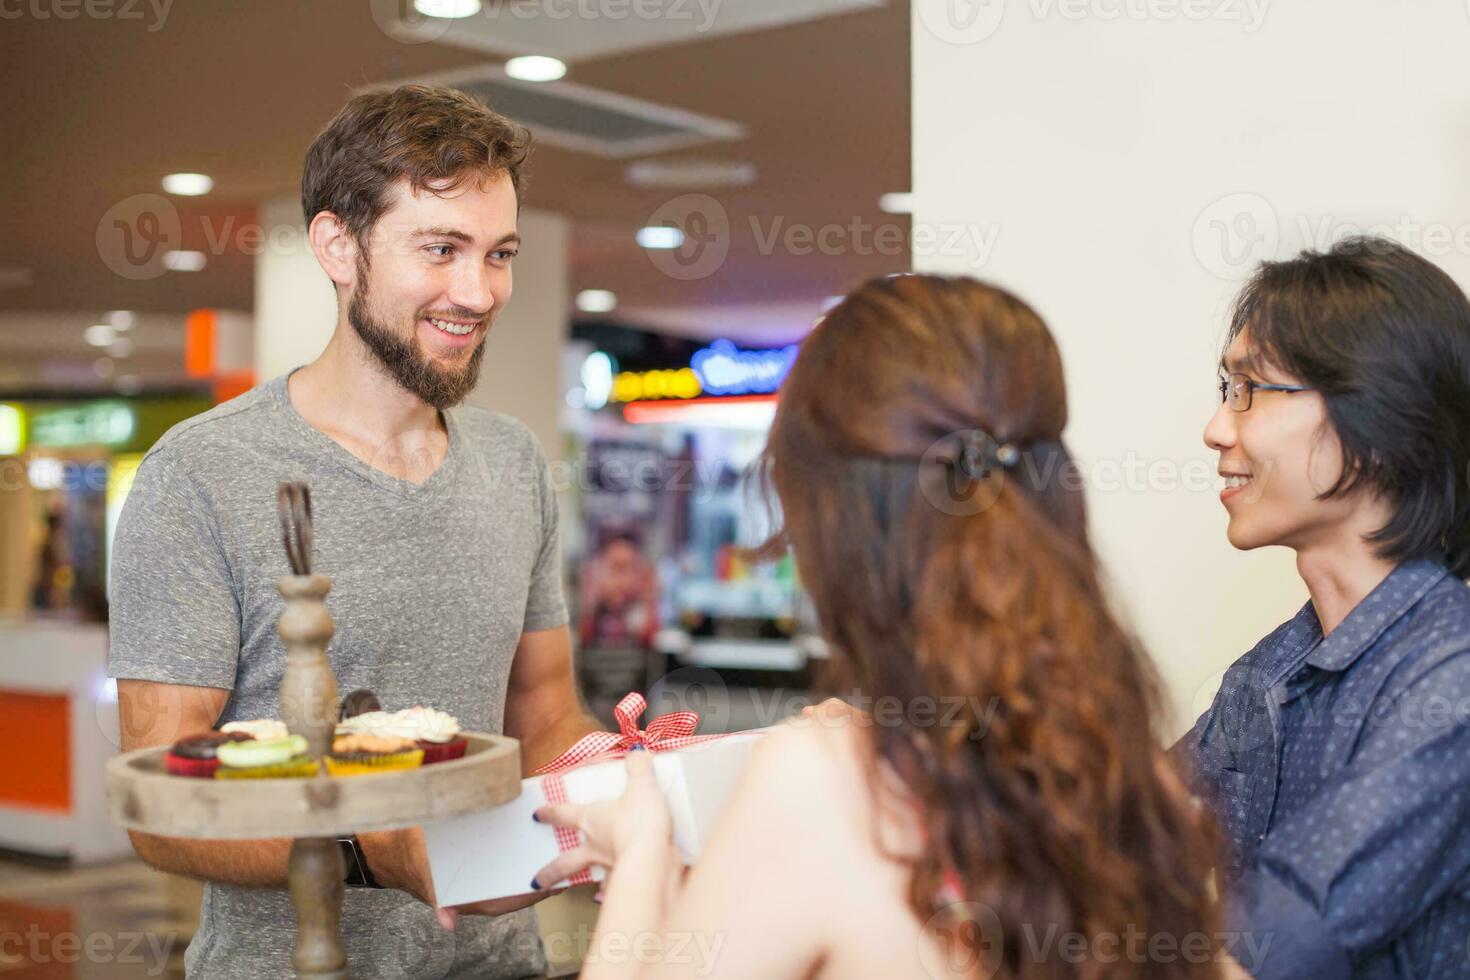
(296, 768)
(387, 762)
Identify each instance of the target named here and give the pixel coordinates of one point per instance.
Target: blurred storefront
(665, 434)
(65, 469)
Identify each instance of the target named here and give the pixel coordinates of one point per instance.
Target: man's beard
(405, 360)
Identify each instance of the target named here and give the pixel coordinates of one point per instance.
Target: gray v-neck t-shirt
(432, 587)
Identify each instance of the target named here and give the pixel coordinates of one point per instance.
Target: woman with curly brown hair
(1002, 811)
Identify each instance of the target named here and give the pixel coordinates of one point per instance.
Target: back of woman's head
(938, 524)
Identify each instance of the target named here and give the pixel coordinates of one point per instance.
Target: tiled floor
(122, 921)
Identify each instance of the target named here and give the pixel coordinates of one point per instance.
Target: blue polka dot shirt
(1339, 770)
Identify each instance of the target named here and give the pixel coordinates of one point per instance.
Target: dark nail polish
(535, 887)
(636, 748)
(535, 818)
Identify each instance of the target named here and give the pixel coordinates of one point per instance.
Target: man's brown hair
(435, 136)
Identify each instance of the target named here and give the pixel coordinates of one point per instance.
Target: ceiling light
(102, 367)
(448, 9)
(14, 277)
(897, 202)
(188, 185)
(535, 68)
(597, 301)
(121, 319)
(183, 261)
(101, 335)
(121, 347)
(660, 236)
(690, 173)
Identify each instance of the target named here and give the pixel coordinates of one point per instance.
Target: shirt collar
(1380, 609)
(1304, 643)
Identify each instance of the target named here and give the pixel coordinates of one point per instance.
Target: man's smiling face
(1277, 458)
(436, 273)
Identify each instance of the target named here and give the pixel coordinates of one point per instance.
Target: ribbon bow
(671, 731)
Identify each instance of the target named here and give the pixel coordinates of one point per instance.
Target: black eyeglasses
(1238, 390)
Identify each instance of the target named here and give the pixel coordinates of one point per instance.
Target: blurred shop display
(665, 433)
(65, 469)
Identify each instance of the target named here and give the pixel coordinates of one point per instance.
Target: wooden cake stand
(142, 795)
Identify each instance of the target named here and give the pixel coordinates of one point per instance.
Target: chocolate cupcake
(358, 702)
(198, 755)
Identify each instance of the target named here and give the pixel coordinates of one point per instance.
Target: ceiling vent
(587, 120)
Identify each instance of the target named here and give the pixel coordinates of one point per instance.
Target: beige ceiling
(97, 110)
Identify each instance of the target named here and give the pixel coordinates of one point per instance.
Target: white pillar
(295, 310)
(1123, 171)
(295, 306)
(522, 372)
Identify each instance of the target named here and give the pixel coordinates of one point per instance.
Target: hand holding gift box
(496, 853)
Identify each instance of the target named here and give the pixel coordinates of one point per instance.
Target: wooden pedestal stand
(142, 795)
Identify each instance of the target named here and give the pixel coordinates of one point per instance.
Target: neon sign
(724, 369)
(719, 369)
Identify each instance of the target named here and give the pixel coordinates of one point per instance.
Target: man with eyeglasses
(1337, 751)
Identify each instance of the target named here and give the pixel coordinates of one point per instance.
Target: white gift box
(495, 853)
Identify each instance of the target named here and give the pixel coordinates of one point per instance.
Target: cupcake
(273, 758)
(263, 729)
(358, 755)
(435, 732)
(196, 756)
(359, 702)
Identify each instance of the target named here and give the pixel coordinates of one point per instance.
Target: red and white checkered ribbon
(566, 837)
(674, 730)
(671, 731)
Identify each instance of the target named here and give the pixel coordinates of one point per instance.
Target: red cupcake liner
(182, 766)
(443, 751)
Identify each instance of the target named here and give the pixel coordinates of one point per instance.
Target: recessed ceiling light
(122, 319)
(535, 68)
(897, 202)
(14, 277)
(183, 261)
(448, 9)
(597, 301)
(660, 236)
(121, 347)
(100, 335)
(690, 173)
(102, 367)
(188, 185)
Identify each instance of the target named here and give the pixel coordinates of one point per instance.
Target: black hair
(1384, 336)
